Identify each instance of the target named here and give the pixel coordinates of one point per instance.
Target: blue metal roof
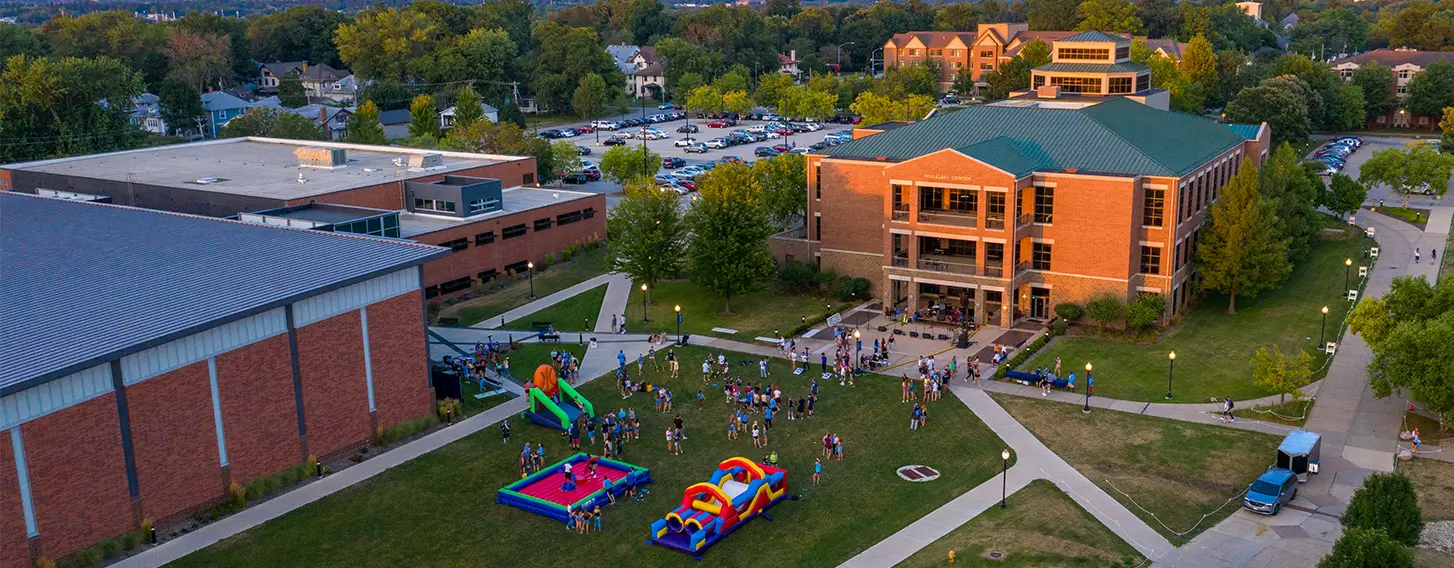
(84, 283)
(1246, 131)
(1299, 442)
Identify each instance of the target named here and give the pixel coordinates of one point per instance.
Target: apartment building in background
(1405, 64)
(1020, 208)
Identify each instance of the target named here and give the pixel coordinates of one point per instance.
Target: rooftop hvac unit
(318, 157)
(426, 161)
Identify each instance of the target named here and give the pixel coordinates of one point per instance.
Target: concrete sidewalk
(618, 294)
(551, 300)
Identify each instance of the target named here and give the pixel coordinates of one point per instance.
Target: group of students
(582, 521)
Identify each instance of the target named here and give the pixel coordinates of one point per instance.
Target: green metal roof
(1126, 67)
(1246, 131)
(1096, 36)
(1119, 136)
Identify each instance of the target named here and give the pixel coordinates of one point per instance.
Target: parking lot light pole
(1347, 271)
(1004, 475)
(1323, 329)
(678, 309)
(531, 265)
(1170, 368)
(1087, 387)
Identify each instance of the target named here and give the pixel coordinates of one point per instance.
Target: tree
(1446, 130)
(589, 100)
(1293, 189)
(1431, 91)
(1330, 32)
(737, 102)
(564, 55)
(1280, 372)
(964, 84)
(566, 157)
(1409, 330)
(1352, 108)
(705, 98)
(198, 59)
(1405, 170)
(1344, 195)
(735, 80)
(300, 33)
(875, 108)
(486, 58)
(730, 227)
(813, 104)
(648, 233)
(687, 84)
(1109, 16)
(1199, 64)
(958, 17)
(1367, 548)
(1052, 15)
(1161, 17)
(16, 39)
(48, 107)
(116, 34)
(1143, 313)
(1284, 110)
(1239, 250)
(1014, 75)
(784, 182)
(364, 126)
(271, 123)
(381, 43)
(1375, 80)
(686, 57)
(290, 91)
(1104, 309)
(770, 88)
(919, 79)
(423, 117)
(467, 106)
(621, 164)
(181, 106)
(1386, 502)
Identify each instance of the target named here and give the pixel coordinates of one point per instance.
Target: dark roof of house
(1124, 67)
(1096, 36)
(1118, 136)
(396, 116)
(932, 39)
(1396, 57)
(319, 72)
(84, 283)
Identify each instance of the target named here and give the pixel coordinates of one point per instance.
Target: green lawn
(1291, 413)
(439, 510)
(1178, 470)
(755, 314)
(577, 313)
(1214, 349)
(1413, 216)
(584, 266)
(523, 362)
(1042, 527)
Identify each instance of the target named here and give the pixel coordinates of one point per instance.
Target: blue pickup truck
(1273, 489)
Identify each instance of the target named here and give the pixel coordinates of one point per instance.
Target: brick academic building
(485, 208)
(1020, 208)
(151, 359)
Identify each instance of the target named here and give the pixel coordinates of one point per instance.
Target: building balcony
(900, 213)
(900, 262)
(949, 264)
(994, 223)
(969, 220)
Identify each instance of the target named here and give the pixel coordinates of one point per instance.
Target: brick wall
(396, 348)
(14, 550)
(174, 439)
(259, 417)
(791, 245)
(1096, 226)
(335, 394)
(77, 476)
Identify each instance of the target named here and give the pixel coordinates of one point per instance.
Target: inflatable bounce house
(551, 492)
(553, 403)
(738, 491)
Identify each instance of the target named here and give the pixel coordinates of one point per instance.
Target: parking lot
(665, 147)
(1357, 158)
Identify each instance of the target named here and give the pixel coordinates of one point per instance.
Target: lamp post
(643, 303)
(678, 309)
(857, 353)
(1347, 271)
(1170, 368)
(531, 265)
(1323, 329)
(1004, 475)
(1088, 383)
(839, 63)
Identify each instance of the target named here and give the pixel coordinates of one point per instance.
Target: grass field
(1177, 470)
(438, 510)
(1214, 349)
(1290, 413)
(1416, 217)
(1042, 527)
(523, 362)
(1434, 481)
(577, 313)
(756, 314)
(584, 266)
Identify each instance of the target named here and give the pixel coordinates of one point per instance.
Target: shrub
(44, 562)
(800, 276)
(307, 469)
(1145, 311)
(849, 288)
(549, 260)
(826, 278)
(111, 548)
(1367, 548)
(449, 406)
(1104, 309)
(89, 557)
(238, 495)
(1059, 327)
(410, 428)
(1386, 502)
(1069, 311)
(133, 539)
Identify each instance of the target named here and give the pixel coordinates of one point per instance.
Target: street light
(1170, 367)
(531, 266)
(1323, 329)
(839, 63)
(1004, 475)
(1347, 271)
(858, 353)
(643, 303)
(1089, 382)
(678, 309)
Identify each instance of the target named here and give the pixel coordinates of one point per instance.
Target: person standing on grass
(756, 435)
(596, 517)
(914, 418)
(1057, 366)
(732, 428)
(812, 398)
(828, 446)
(671, 361)
(701, 399)
(838, 447)
(706, 369)
(824, 364)
(651, 354)
(505, 431)
(762, 367)
(640, 365)
(1414, 437)
(767, 417)
(802, 406)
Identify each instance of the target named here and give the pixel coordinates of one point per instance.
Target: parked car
(799, 151)
(818, 146)
(782, 148)
(584, 150)
(688, 129)
(665, 179)
(1273, 489)
(730, 159)
(698, 148)
(593, 174)
(575, 178)
(1352, 140)
(764, 152)
(665, 106)
(672, 163)
(614, 141)
(716, 124)
(585, 129)
(684, 142)
(689, 184)
(716, 143)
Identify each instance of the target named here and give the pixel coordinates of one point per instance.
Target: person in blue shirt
(817, 469)
(701, 400)
(621, 358)
(767, 417)
(824, 367)
(815, 386)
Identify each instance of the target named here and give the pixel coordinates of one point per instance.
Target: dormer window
(1083, 54)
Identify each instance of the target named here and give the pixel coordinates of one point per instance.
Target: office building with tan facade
(1016, 209)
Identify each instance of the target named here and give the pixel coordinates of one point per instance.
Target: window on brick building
(936, 53)
(1044, 204)
(818, 227)
(817, 181)
(527, 179)
(567, 218)
(898, 200)
(456, 245)
(1153, 208)
(488, 275)
(1150, 260)
(454, 285)
(931, 198)
(987, 53)
(1123, 53)
(956, 52)
(431, 292)
(589, 213)
(987, 66)
(542, 224)
(1040, 256)
(512, 232)
(995, 209)
(1077, 84)
(964, 201)
(435, 205)
(1121, 85)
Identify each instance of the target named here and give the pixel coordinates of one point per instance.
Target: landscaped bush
(1059, 327)
(1023, 355)
(1367, 548)
(849, 288)
(1386, 502)
(410, 428)
(549, 260)
(237, 495)
(1145, 311)
(800, 276)
(826, 278)
(1104, 309)
(44, 562)
(1069, 311)
(448, 407)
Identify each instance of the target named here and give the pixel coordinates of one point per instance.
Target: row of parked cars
(612, 125)
(1335, 154)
